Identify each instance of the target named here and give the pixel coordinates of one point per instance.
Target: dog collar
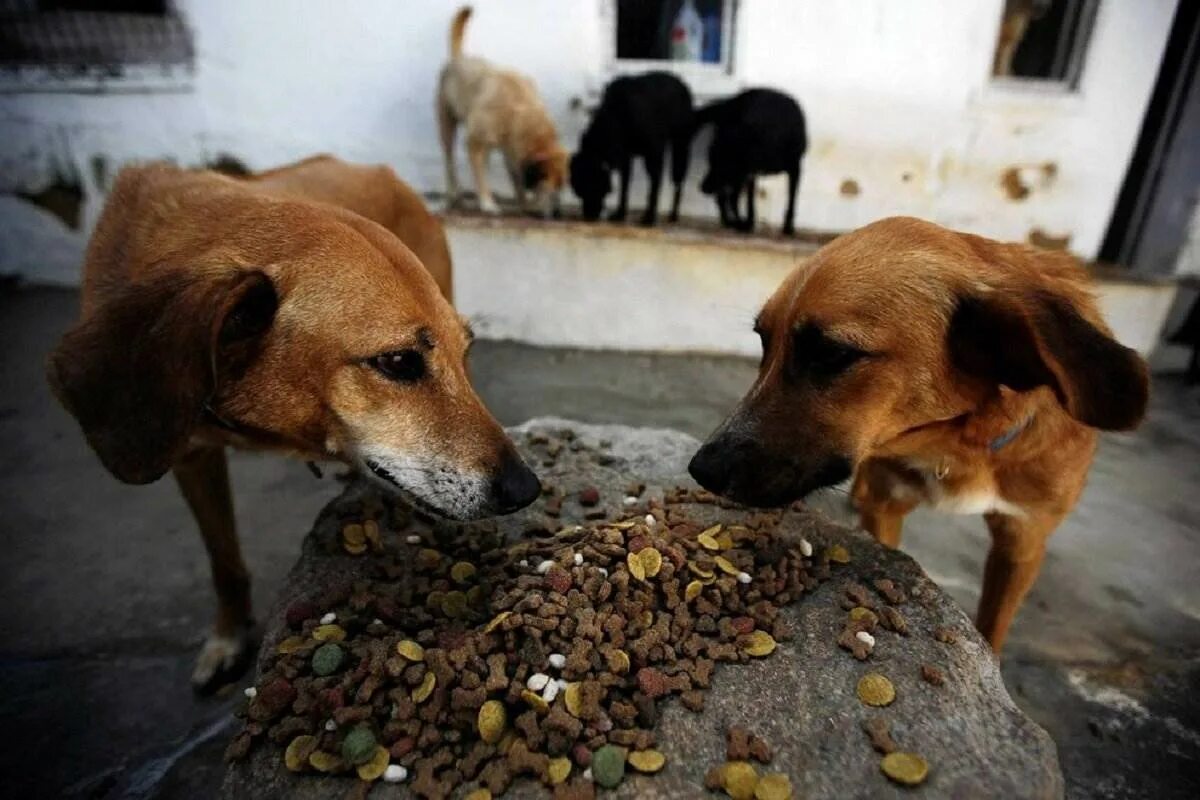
(1009, 435)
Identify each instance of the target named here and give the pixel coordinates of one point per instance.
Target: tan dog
(219, 311)
(500, 110)
(942, 368)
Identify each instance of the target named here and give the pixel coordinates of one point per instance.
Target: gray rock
(802, 699)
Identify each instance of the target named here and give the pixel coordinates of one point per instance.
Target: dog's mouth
(381, 472)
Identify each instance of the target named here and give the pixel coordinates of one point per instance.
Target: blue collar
(1007, 437)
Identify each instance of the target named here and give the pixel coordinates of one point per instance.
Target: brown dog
(500, 110)
(942, 368)
(219, 311)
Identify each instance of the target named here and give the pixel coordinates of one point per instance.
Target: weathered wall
(898, 97)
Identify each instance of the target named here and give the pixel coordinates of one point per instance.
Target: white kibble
(579, 559)
(603, 571)
(557, 660)
(537, 681)
(377, 621)
(412, 539)
(587, 774)
(250, 692)
(865, 638)
(651, 521)
(630, 501)
(744, 577)
(550, 692)
(330, 725)
(395, 773)
(545, 566)
(806, 548)
(562, 683)
(329, 618)
(524, 562)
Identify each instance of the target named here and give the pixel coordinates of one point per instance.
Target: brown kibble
(945, 634)
(932, 675)
(589, 496)
(714, 779)
(880, 734)
(893, 620)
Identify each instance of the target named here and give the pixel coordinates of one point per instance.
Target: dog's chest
(957, 494)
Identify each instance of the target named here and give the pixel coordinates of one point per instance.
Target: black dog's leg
(654, 168)
(727, 200)
(789, 217)
(618, 214)
(747, 224)
(681, 152)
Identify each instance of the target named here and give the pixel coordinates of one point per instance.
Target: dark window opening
(673, 30)
(1044, 40)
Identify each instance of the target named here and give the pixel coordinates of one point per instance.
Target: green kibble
(327, 659)
(359, 745)
(608, 766)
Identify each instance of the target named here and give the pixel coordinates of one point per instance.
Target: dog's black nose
(515, 485)
(709, 469)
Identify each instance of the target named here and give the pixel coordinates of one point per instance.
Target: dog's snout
(515, 485)
(709, 467)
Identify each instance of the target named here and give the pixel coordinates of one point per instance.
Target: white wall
(897, 95)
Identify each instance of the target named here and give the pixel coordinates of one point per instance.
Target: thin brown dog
(220, 311)
(937, 367)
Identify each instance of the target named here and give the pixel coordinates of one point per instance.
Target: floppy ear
(137, 372)
(1040, 339)
(533, 173)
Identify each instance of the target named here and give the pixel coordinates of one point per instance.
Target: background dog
(758, 132)
(500, 110)
(639, 116)
(220, 311)
(943, 368)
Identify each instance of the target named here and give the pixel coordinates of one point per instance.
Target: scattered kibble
(876, 690)
(648, 761)
(492, 719)
(395, 773)
(410, 650)
(327, 659)
(359, 745)
(907, 769)
(608, 766)
(739, 780)
(774, 786)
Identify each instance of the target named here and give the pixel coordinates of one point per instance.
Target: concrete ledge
(671, 288)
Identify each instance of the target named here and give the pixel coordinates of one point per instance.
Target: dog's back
(640, 112)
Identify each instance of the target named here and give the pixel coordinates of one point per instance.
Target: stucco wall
(898, 98)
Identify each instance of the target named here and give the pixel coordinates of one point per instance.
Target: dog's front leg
(654, 168)
(624, 167)
(203, 478)
(479, 153)
(1018, 547)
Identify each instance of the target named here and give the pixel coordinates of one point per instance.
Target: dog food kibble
(359, 745)
(839, 554)
(932, 675)
(865, 638)
(876, 690)
(479, 794)
(775, 786)
(647, 760)
(469, 662)
(739, 780)
(908, 769)
(327, 659)
(880, 734)
(590, 496)
(492, 719)
(608, 766)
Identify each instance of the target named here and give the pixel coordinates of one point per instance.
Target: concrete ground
(105, 592)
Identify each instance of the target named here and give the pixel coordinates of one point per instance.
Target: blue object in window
(711, 52)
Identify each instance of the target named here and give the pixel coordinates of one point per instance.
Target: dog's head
(276, 325)
(545, 171)
(591, 181)
(900, 325)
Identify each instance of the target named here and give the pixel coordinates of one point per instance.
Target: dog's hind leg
(203, 478)
(789, 216)
(654, 168)
(747, 224)
(447, 128)
(1013, 563)
(883, 501)
(681, 151)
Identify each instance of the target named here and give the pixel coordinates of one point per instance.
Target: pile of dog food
(466, 662)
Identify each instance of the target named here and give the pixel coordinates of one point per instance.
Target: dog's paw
(489, 206)
(222, 660)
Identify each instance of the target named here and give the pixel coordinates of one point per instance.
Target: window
(91, 45)
(692, 38)
(1044, 40)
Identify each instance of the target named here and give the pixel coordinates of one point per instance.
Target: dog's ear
(1040, 339)
(533, 173)
(137, 372)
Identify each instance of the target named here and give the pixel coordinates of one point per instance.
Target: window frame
(1080, 46)
(705, 80)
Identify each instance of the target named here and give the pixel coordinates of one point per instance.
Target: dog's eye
(402, 366)
(822, 357)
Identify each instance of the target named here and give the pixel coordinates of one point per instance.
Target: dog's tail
(457, 28)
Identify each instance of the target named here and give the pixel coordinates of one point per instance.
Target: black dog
(758, 132)
(639, 116)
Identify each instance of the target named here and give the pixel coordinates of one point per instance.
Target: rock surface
(801, 700)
